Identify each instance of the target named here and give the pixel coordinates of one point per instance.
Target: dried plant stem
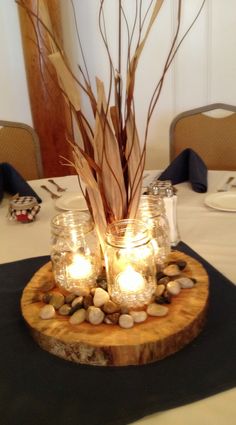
(108, 158)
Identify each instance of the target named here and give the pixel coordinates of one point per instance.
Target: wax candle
(80, 268)
(130, 281)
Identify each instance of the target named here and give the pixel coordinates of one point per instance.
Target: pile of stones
(96, 307)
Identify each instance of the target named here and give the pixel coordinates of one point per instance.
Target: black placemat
(38, 388)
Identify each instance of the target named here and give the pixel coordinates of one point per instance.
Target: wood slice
(110, 345)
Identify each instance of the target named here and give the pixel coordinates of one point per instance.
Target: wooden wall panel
(51, 116)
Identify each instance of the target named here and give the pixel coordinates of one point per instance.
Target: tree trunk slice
(110, 345)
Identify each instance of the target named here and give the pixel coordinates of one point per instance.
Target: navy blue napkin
(12, 182)
(187, 166)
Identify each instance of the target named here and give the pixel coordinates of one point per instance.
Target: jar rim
(76, 220)
(135, 231)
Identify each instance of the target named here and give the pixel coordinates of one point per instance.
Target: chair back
(212, 137)
(19, 146)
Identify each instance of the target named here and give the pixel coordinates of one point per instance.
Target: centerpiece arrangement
(108, 154)
(110, 159)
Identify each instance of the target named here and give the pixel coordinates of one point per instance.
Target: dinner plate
(71, 201)
(224, 201)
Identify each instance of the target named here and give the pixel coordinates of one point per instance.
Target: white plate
(71, 201)
(224, 201)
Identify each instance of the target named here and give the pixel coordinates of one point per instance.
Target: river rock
(110, 307)
(100, 297)
(112, 319)
(69, 298)
(157, 310)
(173, 287)
(95, 315)
(83, 292)
(88, 301)
(47, 312)
(138, 316)
(126, 321)
(64, 310)
(77, 300)
(159, 290)
(171, 270)
(78, 317)
(57, 300)
(185, 282)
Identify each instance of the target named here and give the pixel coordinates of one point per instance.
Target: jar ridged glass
(75, 251)
(130, 263)
(152, 211)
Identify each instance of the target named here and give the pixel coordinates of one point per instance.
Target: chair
(213, 138)
(19, 146)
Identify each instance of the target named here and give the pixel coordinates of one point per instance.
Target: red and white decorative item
(23, 209)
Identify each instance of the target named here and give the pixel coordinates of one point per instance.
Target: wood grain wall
(50, 113)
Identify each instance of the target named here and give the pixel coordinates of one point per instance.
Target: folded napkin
(187, 166)
(12, 182)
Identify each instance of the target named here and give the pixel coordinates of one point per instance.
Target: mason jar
(152, 211)
(130, 263)
(75, 251)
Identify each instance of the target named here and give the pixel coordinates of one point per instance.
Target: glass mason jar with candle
(130, 263)
(152, 212)
(75, 251)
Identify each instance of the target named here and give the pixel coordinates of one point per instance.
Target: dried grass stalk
(108, 158)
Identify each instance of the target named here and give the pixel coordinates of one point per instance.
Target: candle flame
(80, 268)
(130, 281)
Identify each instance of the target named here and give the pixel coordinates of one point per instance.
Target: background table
(209, 232)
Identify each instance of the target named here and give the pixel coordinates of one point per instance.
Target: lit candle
(80, 268)
(130, 281)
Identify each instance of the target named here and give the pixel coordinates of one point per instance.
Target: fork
(53, 195)
(225, 186)
(59, 188)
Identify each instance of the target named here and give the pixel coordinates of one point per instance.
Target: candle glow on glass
(80, 268)
(130, 281)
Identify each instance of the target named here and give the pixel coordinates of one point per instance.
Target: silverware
(59, 188)
(225, 186)
(53, 195)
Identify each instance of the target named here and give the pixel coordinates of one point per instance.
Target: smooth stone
(78, 317)
(83, 292)
(95, 315)
(100, 297)
(75, 308)
(112, 318)
(124, 309)
(47, 312)
(57, 300)
(110, 307)
(164, 280)
(102, 282)
(46, 297)
(64, 310)
(165, 298)
(69, 298)
(88, 301)
(171, 270)
(126, 321)
(138, 316)
(173, 287)
(159, 290)
(77, 300)
(181, 264)
(185, 282)
(157, 310)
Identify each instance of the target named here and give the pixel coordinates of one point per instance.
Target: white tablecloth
(211, 233)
